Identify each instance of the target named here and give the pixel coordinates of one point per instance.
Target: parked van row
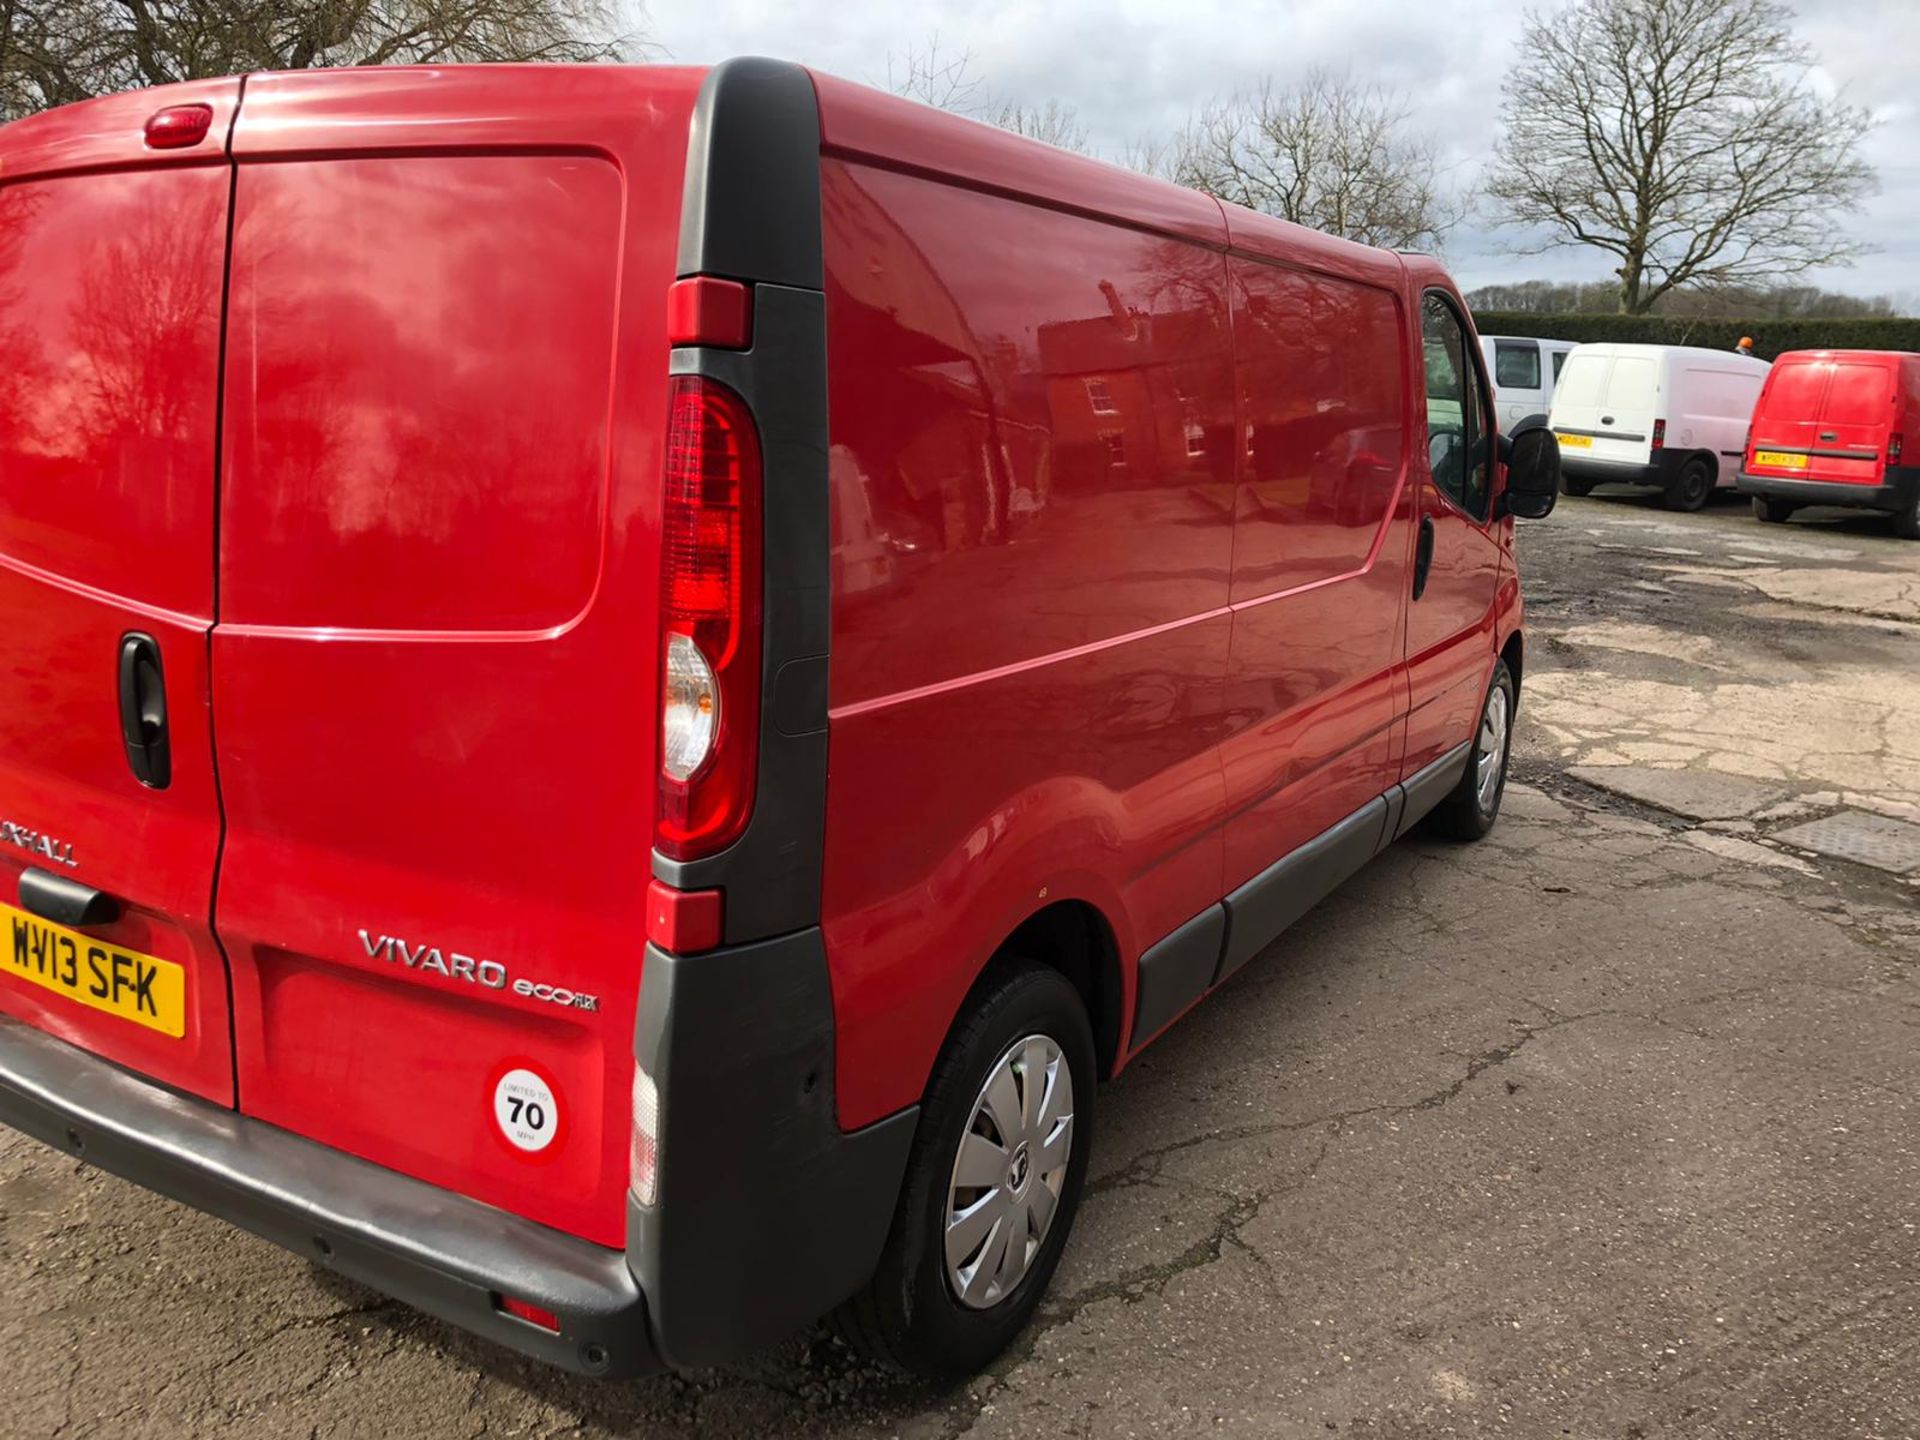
(1816, 427)
(429, 628)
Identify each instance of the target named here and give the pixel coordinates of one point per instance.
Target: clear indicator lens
(643, 1158)
(690, 718)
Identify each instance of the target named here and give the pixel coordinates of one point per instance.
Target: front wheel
(1773, 512)
(1690, 488)
(993, 1182)
(1470, 809)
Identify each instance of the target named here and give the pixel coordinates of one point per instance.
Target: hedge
(1770, 337)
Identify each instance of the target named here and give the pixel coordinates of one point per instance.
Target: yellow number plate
(1576, 442)
(1780, 459)
(145, 989)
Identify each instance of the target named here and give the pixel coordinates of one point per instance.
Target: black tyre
(1774, 512)
(1576, 487)
(1906, 523)
(1690, 489)
(1474, 804)
(985, 1211)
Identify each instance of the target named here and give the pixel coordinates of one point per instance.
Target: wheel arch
(1076, 939)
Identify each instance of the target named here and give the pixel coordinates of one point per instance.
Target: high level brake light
(710, 619)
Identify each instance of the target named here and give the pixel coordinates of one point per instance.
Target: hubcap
(1008, 1175)
(1491, 753)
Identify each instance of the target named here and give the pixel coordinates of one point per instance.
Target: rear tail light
(710, 620)
(643, 1151)
(1659, 434)
(1893, 448)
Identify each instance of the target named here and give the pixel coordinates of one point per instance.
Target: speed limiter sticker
(526, 1110)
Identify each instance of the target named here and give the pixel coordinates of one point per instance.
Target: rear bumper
(439, 1252)
(768, 1214)
(1656, 472)
(1897, 494)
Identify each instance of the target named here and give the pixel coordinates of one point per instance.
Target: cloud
(1134, 68)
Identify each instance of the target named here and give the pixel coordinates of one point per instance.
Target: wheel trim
(1490, 753)
(1008, 1172)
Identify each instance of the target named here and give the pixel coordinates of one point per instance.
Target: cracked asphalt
(1606, 1126)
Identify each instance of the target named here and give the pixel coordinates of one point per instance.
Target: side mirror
(1532, 454)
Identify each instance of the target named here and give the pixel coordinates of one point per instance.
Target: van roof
(1852, 357)
(1538, 339)
(1703, 352)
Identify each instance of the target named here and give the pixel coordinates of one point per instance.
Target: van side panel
(1321, 554)
(434, 676)
(111, 265)
(1031, 416)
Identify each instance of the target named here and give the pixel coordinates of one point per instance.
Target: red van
(1829, 429)
(628, 684)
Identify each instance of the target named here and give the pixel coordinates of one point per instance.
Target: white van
(1672, 416)
(1524, 370)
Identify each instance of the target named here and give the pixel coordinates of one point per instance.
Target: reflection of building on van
(1670, 416)
(1831, 429)
(1525, 371)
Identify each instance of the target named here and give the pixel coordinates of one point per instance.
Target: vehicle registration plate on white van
(1575, 442)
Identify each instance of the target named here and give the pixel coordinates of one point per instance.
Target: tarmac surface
(1606, 1126)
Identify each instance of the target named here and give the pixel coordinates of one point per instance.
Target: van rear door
(1605, 406)
(1856, 414)
(435, 674)
(111, 263)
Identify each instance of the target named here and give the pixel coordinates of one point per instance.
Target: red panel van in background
(1831, 428)
(630, 683)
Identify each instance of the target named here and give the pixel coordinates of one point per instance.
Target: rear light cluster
(1659, 434)
(643, 1153)
(710, 619)
(1894, 442)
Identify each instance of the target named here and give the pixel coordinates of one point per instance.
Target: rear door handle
(143, 711)
(64, 901)
(1423, 556)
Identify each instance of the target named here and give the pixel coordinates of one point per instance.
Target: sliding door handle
(1423, 556)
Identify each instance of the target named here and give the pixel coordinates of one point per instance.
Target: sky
(1133, 68)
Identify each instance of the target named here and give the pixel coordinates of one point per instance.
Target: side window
(1516, 365)
(1456, 425)
(1559, 362)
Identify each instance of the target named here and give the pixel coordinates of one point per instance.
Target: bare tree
(55, 51)
(1682, 136)
(942, 79)
(1330, 153)
(946, 80)
(1053, 122)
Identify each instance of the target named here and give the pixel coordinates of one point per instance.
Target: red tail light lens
(528, 1311)
(710, 619)
(1659, 434)
(1894, 441)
